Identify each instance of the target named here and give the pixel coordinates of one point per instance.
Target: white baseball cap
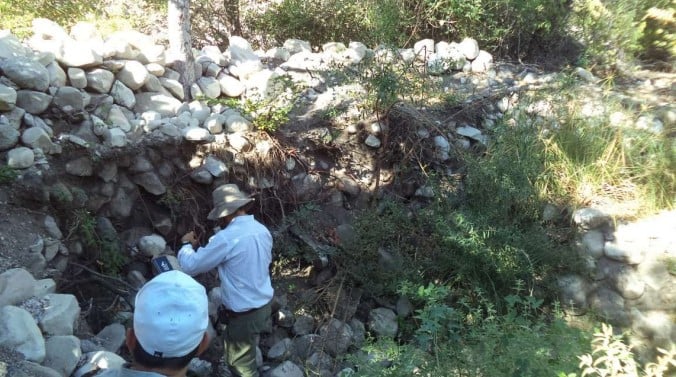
(171, 315)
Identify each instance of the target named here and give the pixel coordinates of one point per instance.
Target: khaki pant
(241, 339)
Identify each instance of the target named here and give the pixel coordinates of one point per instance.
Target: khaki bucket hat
(227, 200)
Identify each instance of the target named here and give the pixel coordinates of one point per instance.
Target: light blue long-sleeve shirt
(242, 252)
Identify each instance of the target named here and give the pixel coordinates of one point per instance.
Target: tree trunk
(232, 14)
(180, 45)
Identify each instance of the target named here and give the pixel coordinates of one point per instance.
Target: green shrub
(316, 21)
(470, 338)
(7, 175)
(103, 250)
(611, 357)
(659, 35)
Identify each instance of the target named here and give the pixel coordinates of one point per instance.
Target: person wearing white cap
(171, 316)
(242, 253)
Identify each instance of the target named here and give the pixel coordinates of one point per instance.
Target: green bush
(7, 175)
(611, 356)
(101, 249)
(659, 35)
(470, 338)
(316, 21)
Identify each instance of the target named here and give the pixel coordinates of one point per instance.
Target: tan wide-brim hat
(227, 200)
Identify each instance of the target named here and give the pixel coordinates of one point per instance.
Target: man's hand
(189, 238)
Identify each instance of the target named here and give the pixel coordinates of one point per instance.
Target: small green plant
(7, 175)
(612, 357)
(103, 250)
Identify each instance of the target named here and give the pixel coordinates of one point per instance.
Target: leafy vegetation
(7, 174)
(611, 356)
(102, 249)
(468, 337)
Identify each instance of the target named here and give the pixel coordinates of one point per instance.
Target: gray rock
(424, 49)
(281, 350)
(121, 204)
(237, 123)
(337, 337)
(7, 98)
(153, 84)
(483, 62)
(115, 137)
(151, 182)
(320, 363)
(297, 45)
(358, 332)
(117, 119)
(20, 158)
(19, 332)
(158, 102)
(593, 243)
(306, 345)
(62, 353)
(100, 80)
(216, 167)
(590, 218)
(33, 102)
(51, 248)
(43, 287)
(77, 78)
(16, 285)
(231, 86)
(133, 75)
(584, 74)
(68, 99)
(60, 315)
(173, 86)
(210, 87)
(111, 337)
(214, 123)
(57, 76)
(36, 370)
(303, 325)
(610, 306)
(52, 228)
(624, 251)
(14, 117)
(573, 290)
(11, 47)
(202, 176)
(81, 167)
(9, 136)
(26, 73)
(122, 95)
(628, 282)
(36, 137)
(383, 322)
(286, 369)
(284, 318)
(372, 141)
(469, 48)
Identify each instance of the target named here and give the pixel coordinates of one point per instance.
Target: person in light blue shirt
(242, 253)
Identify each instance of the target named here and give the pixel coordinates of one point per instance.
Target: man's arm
(203, 259)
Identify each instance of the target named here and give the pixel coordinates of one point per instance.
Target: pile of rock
(630, 282)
